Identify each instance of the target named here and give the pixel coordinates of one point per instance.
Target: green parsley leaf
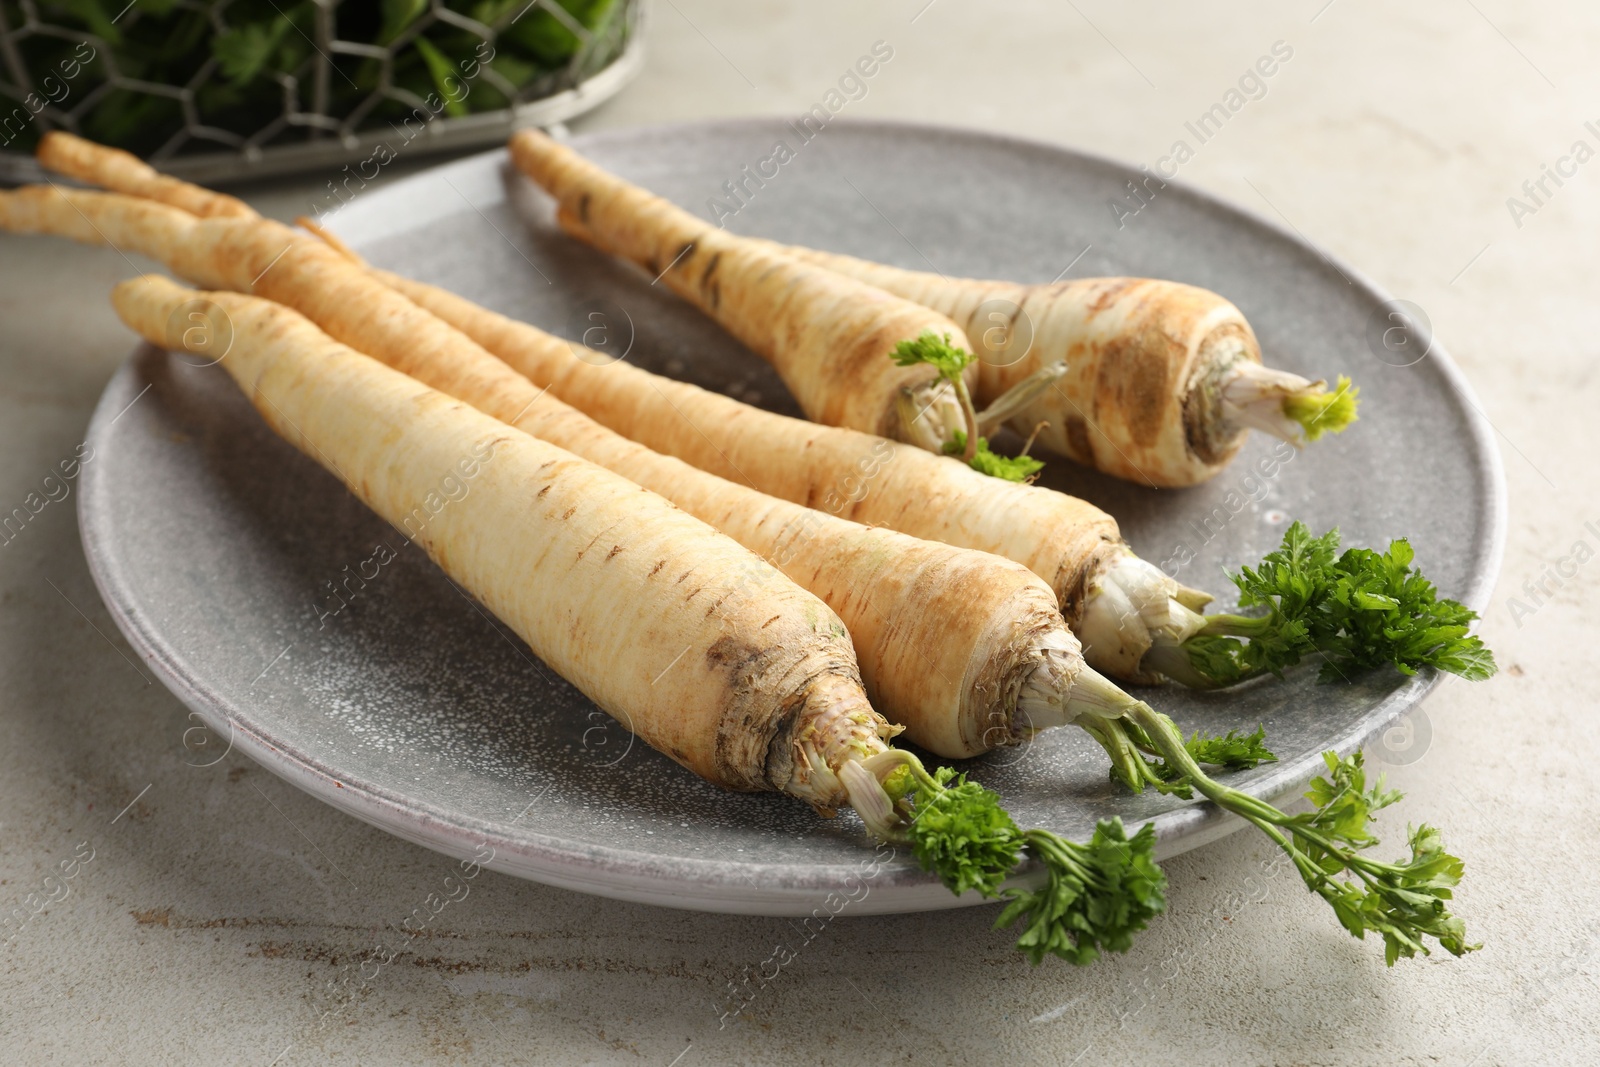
(443, 73)
(244, 52)
(962, 834)
(984, 461)
(1233, 751)
(1403, 902)
(1360, 610)
(1007, 468)
(1096, 896)
(935, 351)
(1324, 412)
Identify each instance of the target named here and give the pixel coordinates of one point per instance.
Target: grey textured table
(221, 909)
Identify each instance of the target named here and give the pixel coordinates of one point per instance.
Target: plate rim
(704, 884)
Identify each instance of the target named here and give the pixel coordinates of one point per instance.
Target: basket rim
(440, 135)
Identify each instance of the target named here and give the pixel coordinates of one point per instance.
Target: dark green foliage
(265, 55)
(1096, 895)
(944, 357)
(1359, 610)
(984, 461)
(1401, 901)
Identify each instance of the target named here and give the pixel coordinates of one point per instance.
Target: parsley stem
(1127, 765)
(1171, 660)
(1399, 901)
(1015, 401)
(935, 430)
(969, 412)
(1224, 624)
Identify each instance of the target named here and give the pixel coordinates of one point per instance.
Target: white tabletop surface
(220, 904)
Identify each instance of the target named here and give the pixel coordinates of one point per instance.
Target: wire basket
(173, 81)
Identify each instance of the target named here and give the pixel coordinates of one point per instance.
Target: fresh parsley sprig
(1096, 895)
(1010, 468)
(1404, 902)
(937, 352)
(1358, 610)
(1127, 744)
(940, 354)
(1232, 752)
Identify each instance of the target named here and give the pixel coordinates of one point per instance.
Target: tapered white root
(1131, 606)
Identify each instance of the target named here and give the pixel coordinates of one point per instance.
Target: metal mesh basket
(64, 64)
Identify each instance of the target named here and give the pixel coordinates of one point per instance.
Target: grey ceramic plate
(217, 547)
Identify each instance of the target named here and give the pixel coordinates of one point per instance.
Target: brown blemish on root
(1136, 380)
(1112, 290)
(741, 754)
(709, 286)
(1079, 446)
(684, 253)
(1072, 581)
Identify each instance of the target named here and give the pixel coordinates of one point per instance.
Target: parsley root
(1134, 621)
(1118, 604)
(724, 712)
(739, 675)
(125, 172)
(1162, 379)
(828, 336)
(966, 650)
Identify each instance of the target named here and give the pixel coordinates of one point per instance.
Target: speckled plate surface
(218, 548)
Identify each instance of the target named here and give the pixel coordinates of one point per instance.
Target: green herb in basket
(272, 73)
